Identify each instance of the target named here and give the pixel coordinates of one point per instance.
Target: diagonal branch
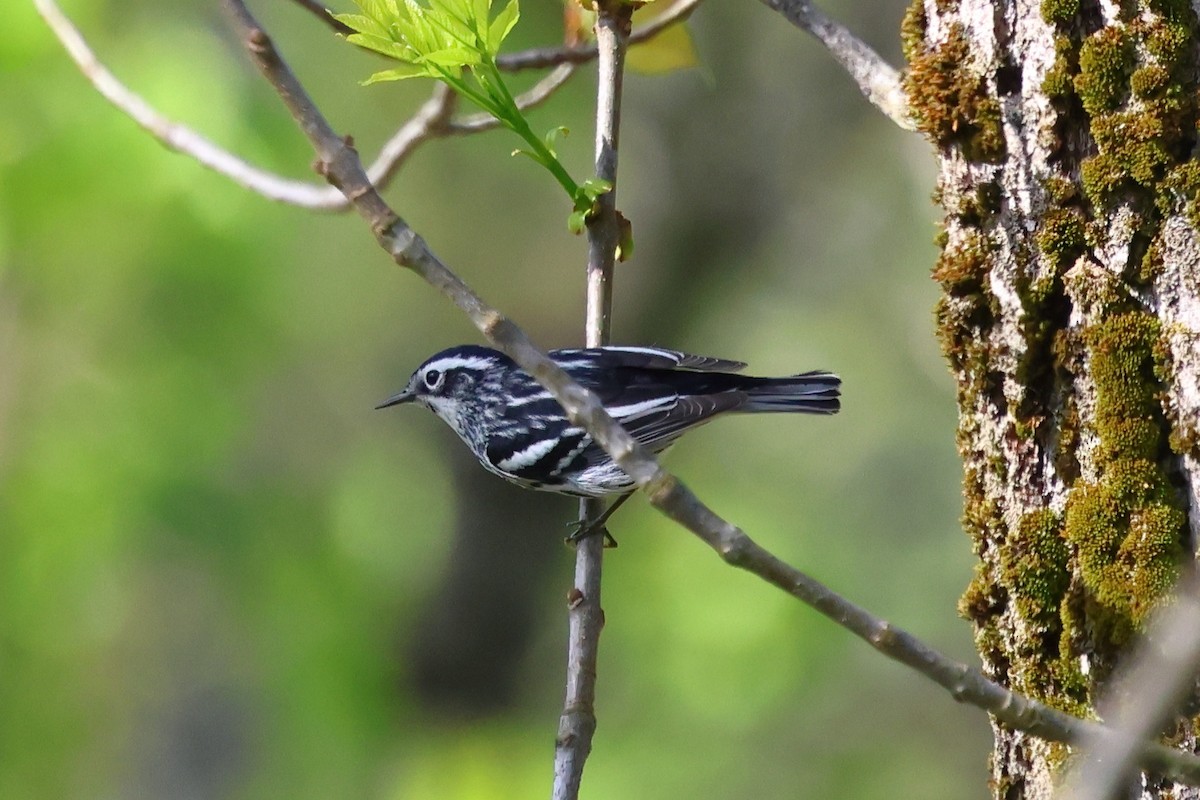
(878, 80)
(322, 13)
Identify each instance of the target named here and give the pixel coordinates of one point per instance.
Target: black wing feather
(612, 357)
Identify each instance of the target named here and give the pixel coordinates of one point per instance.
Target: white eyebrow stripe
(529, 455)
(458, 362)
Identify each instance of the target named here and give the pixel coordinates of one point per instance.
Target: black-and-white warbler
(518, 430)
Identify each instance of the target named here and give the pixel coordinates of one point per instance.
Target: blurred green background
(222, 575)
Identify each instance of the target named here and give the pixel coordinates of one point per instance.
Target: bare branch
(577, 724)
(322, 13)
(581, 54)
(877, 80)
(1144, 700)
(431, 121)
(173, 135)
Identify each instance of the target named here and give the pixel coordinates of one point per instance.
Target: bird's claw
(583, 529)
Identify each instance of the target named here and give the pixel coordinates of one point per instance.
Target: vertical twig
(578, 721)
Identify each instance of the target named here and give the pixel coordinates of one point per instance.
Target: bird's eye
(433, 379)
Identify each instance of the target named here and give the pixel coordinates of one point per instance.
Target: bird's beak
(404, 397)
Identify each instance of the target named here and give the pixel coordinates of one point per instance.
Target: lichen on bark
(1064, 135)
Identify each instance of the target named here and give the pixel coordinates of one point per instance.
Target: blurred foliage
(215, 559)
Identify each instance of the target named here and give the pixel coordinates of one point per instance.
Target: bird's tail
(808, 392)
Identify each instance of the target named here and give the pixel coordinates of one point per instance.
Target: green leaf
(362, 24)
(552, 136)
(456, 42)
(452, 57)
(380, 10)
(409, 31)
(385, 46)
(502, 25)
(415, 25)
(520, 151)
(594, 187)
(480, 11)
(624, 238)
(576, 221)
(399, 74)
(451, 30)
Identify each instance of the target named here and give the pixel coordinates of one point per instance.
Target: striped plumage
(518, 430)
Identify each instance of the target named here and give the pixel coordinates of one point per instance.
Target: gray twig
(578, 722)
(878, 80)
(1143, 701)
(340, 164)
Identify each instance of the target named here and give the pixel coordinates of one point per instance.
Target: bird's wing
(657, 428)
(657, 422)
(611, 357)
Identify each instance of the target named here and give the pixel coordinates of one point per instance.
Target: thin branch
(540, 57)
(173, 135)
(878, 80)
(431, 121)
(1145, 699)
(342, 167)
(577, 725)
(322, 13)
(966, 684)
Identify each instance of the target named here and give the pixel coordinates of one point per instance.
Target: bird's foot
(587, 528)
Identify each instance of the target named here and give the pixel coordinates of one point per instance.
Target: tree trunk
(1065, 131)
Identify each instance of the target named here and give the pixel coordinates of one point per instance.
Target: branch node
(660, 488)
(258, 42)
(734, 547)
(883, 635)
(574, 598)
(386, 224)
(358, 192)
(491, 324)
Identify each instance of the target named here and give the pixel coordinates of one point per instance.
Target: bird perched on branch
(517, 430)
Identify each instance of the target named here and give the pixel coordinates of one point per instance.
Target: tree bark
(1065, 132)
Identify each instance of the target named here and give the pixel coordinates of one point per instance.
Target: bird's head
(448, 384)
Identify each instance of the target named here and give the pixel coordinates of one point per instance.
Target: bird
(518, 431)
